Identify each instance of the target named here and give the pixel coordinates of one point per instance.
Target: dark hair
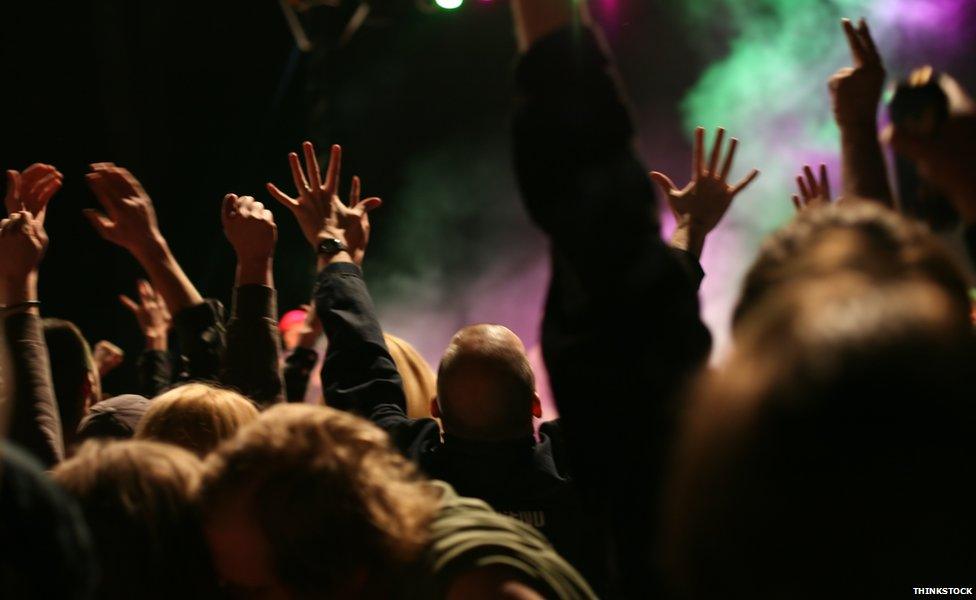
(859, 236)
(833, 449)
(71, 366)
(139, 499)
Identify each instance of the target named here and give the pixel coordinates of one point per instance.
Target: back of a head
(833, 447)
(73, 372)
(196, 416)
(139, 499)
(485, 385)
(857, 236)
(419, 382)
(116, 418)
(329, 493)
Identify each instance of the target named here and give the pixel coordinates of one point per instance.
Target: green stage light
(449, 4)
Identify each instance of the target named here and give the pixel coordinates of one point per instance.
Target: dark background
(202, 98)
(199, 99)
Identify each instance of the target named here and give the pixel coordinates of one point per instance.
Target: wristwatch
(330, 247)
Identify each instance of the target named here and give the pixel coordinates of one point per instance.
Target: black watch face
(330, 246)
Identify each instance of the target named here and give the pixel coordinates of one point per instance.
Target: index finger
(867, 42)
(858, 53)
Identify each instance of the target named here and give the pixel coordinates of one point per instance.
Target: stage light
(449, 4)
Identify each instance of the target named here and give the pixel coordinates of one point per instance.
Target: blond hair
(419, 382)
(327, 489)
(196, 416)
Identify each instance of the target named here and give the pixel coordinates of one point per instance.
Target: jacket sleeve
(358, 373)
(251, 360)
(155, 372)
(298, 368)
(202, 339)
(35, 423)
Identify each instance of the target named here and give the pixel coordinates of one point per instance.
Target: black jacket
(519, 478)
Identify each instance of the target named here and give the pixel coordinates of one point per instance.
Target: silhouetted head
(77, 386)
(833, 448)
(858, 236)
(196, 416)
(485, 386)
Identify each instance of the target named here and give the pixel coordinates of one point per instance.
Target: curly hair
(328, 491)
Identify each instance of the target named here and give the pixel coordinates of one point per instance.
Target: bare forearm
(535, 19)
(168, 277)
(863, 168)
(688, 238)
(254, 271)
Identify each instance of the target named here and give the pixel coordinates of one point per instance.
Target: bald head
(485, 385)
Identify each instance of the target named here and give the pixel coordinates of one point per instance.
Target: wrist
(689, 236)
(15, 290)
(153, 250)
(339, 257)
(255, 270)
(156, 341)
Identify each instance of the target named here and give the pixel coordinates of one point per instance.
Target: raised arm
(359, 373)
(154, 365)
(251, 362)
(621, 332)
(129, 221)
(301, 362)
(947, 159)
(34, 420)
(855, 93)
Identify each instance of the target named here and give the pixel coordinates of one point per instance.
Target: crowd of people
(828, 454)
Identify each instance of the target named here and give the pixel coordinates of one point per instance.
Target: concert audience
(830, 448)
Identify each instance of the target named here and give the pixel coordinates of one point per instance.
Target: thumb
(99, 221)
(664, 182)
(370, 204)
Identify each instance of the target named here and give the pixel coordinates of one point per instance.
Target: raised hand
(249, 227)
(700, 205)
(813, 193)
(130, 221)
(152, 315)
(32, 189)
(251, 230)
(318, 209)
(350, 222)
(22, 245)
(856, 91)
(107, 357)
